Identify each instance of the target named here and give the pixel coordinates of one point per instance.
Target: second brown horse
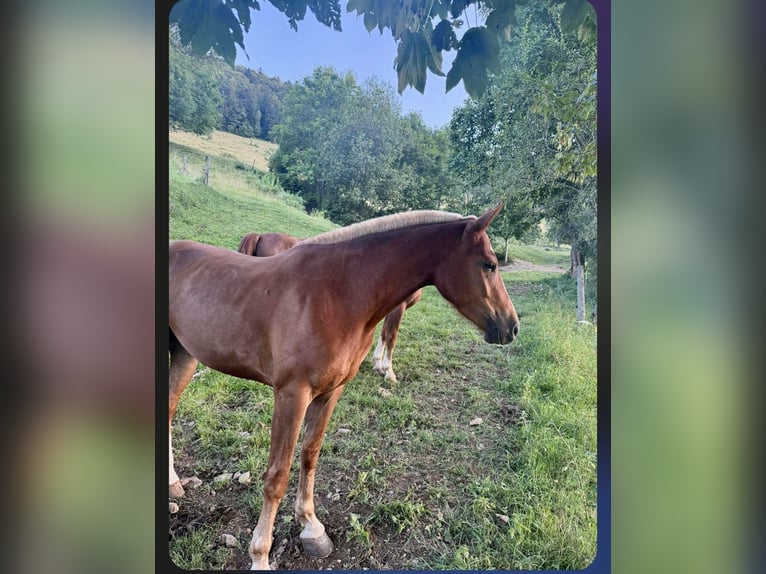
(268, 244)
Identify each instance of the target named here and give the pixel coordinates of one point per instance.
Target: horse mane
(384, 223)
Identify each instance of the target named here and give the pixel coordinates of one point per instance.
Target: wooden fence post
(580, 290)
(183, 169)
(206, 175)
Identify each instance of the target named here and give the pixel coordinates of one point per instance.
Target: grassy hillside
(222, 144)
(237, 201)
(405, 481)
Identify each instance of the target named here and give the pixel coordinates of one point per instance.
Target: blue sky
(278, 50)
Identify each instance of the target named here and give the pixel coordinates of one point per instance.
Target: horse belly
(223, 338)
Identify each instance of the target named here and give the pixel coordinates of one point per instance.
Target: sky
(277, 50)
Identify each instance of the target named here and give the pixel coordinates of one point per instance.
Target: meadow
(480, 457)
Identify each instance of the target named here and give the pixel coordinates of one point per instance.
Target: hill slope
(237, 201)
(223, 144)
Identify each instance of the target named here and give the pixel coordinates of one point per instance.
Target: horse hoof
(319, 547)
(175, 490)
(390, 376)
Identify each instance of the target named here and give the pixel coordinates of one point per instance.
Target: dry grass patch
(250, 151)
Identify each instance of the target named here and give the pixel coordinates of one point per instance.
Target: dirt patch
(219, 512)
(220, 509)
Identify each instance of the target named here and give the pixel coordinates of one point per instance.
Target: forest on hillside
(205, 93)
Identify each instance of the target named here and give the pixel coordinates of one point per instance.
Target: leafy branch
(220, 25)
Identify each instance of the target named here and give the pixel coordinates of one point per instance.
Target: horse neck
(396, 264)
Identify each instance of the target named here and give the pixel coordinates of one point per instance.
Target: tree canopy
(423, 31)
(349, 163)
(207, 94)
(530, 139)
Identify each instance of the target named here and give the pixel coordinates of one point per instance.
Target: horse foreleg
(289, 410)
(182, 366)
(314, 539)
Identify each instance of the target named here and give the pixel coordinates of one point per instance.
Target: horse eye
(489, 265)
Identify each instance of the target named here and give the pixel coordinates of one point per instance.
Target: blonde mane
(385, 223)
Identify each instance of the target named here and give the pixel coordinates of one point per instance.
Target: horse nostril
(515, 330)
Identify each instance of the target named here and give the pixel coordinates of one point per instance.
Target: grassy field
(405, 481)
(253, 152)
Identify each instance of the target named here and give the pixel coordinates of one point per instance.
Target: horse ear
(483, 221)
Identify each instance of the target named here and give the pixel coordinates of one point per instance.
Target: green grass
(540, 253)
(403, 480)
(236, 202)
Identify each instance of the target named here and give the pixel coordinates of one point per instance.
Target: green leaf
(479, 51)
(243, 8)
(443, 36)
(411, 61)
(573, 14)
(208, 24)
(475, 81)
(434, 59)
(502, 18)
(440, 8)
(457, 7)
(370, 21)
(454, 76)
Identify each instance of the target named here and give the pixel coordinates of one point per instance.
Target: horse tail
(249, 243)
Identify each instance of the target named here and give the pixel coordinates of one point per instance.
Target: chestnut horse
(268, 244)
(248, 317)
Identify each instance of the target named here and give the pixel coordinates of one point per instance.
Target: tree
(192, 92)
(220, 25)
(530, 139)
(309, 111)
(240, 113)
(349, 163)
(422, 163)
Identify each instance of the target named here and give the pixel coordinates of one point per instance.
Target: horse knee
(275, 483)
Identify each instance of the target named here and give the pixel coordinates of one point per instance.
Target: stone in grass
(225, 477)
(476, 421)
(191, 482)
(228, 540)
(173, 507)
(244, 478)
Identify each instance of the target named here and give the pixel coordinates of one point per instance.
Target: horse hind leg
(388, 335)
(377, 355)
(182, 366)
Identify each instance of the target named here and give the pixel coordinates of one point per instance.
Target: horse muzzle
(500, 334)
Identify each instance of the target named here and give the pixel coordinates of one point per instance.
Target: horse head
(469, 278)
